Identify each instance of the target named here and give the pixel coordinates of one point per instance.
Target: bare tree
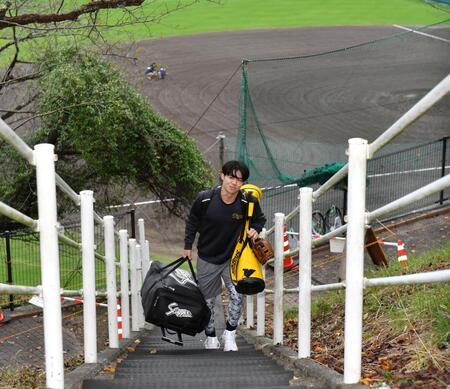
(27, 26)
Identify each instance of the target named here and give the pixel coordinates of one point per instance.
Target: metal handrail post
(145, 260)
(358, 149)
(111, 287)
(261, 309)
(133, 286)
(88, 260)
(278, 280)
(139, 283)
(250, 311)
(261, 301)
(125, 297)
(143, 256)
(50, 275)
(304, 276)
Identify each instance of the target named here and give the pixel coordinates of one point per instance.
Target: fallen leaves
(109, 369)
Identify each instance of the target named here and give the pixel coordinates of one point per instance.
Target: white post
(278, 280)
(88, 259)
(145, 260)
(261, 302)
(125, 297)
(139, 285)
(134, 288)
(111, 289)
(261, 309)
(49, 253)
(355, 259)
(304, 277)
(250, 312)
(141, 231)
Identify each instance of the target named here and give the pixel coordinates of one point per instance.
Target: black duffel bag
(172, 300)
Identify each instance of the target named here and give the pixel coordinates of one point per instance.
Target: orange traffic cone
(401, 253)
(288, 262)
(119, 320)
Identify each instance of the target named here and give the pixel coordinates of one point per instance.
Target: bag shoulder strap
(206, 197)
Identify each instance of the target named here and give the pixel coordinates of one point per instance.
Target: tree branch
(93, 6)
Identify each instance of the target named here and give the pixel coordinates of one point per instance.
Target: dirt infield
(199, 66)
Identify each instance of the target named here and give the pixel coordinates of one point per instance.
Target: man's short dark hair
(231, 167)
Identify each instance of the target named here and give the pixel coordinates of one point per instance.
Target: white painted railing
(359, 151)
(44, 159)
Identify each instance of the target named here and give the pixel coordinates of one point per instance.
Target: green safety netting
(321, 175)
(297, 113)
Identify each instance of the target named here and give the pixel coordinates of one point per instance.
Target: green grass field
(235, 15)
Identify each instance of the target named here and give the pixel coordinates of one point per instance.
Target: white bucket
(337, 245)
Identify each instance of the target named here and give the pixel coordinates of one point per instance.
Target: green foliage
(107, 136)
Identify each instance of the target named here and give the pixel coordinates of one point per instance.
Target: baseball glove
(262, 249)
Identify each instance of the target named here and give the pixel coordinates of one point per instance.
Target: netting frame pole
(304, 274)
(444, 162)
(88, 263)
(44, 159)
(357, 170)
(278, 313)
(243, 99)
(111, 287)
(125, 296)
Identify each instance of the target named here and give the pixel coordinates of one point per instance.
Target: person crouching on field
(218, 215)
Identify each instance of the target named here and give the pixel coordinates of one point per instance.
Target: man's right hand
(187, 253)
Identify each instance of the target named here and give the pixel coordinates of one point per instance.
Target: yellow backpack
(245, 269)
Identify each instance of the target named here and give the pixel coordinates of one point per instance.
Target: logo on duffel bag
(174, 309)
(182, 277)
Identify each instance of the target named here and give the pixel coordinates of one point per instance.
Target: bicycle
(333, 218)
(318, 223)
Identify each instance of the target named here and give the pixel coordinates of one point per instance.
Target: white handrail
(427, 190)
(16, 142)
(19, 289)
(417, 278)
(420, 108)
(19, 217)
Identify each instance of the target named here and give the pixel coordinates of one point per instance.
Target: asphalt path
(331, 109)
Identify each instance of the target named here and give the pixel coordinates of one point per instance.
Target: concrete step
(180, 383)
(125, 384)
(188, 363)
(200, 374)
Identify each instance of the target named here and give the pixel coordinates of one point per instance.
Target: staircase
(158, 364)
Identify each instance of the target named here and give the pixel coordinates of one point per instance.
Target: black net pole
(9, 267)
(133, 223)
(444, 155)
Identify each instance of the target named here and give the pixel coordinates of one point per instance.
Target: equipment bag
(245, 270)
(172, 300)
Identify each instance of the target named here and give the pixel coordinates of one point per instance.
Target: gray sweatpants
(210, 278)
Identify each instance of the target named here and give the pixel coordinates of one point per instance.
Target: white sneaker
(212, 343)
(229, 341)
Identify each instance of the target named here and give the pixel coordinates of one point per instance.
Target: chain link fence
(389, 177)
(20, 257)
